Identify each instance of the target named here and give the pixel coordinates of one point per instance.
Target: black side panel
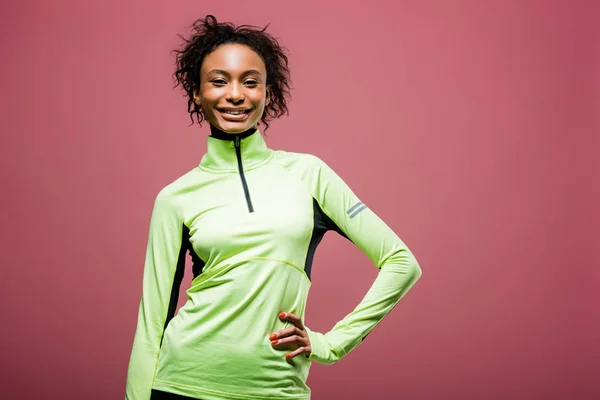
(198, 263)
(178, 276)
(322, 224)
(160, 395)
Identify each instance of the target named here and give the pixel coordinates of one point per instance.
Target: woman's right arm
(163, 272)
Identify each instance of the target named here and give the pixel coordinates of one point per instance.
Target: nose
(235, 94)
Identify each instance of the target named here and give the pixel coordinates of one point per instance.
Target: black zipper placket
(238, 152)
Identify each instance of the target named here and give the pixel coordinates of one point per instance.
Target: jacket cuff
(320, 349)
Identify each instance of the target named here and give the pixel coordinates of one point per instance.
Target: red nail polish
(281, 315)
(274, 341)
(287, 356)
(273, 336)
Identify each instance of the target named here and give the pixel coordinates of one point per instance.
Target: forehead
(234, 58)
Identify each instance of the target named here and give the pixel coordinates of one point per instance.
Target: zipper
(238, 152)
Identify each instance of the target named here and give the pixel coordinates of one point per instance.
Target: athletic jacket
(251, 219)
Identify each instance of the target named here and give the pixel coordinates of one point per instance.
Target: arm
(163, 272)
(399, 269)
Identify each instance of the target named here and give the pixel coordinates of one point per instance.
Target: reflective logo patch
(356, 209)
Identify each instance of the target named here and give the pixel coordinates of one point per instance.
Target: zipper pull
(236, 142)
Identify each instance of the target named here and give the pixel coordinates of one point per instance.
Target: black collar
(219, 134)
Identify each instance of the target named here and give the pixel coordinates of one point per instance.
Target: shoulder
(298, 160)
(170, 193)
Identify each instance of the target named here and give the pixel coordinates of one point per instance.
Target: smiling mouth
(235, 112)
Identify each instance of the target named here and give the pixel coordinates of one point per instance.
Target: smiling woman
(233, 88)
(241, 334)
(222, 55)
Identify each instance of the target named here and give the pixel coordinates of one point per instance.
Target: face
(233, 91)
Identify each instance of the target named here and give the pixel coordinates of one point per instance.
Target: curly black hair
(207, 34)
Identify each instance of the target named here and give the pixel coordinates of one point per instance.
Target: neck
(219, 134)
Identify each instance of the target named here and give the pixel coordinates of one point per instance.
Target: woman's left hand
(292, 335)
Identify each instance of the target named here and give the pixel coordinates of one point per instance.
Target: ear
(197, 98)
(268, 96)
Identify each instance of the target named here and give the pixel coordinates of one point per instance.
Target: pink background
(466, 125)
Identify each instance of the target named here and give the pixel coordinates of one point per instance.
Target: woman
(251, 218)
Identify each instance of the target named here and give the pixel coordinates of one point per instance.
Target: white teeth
(234, 112)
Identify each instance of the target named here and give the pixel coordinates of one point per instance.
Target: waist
(223, 331)
(235, 364)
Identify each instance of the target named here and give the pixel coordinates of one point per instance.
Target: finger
(297, 352)
(294, 339)
(293, 318)
(291, 330)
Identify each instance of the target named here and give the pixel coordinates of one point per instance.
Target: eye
(251, 82)
(218, 82)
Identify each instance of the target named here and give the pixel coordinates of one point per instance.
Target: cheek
(208, 95)
(259, 100)
(207, 103)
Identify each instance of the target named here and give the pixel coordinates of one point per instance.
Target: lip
(230, 117)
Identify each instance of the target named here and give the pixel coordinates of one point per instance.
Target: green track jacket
(251, 219)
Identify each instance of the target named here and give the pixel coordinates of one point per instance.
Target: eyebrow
(223, 72)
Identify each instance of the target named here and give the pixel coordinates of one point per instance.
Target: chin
(233, 131)
(234, 128)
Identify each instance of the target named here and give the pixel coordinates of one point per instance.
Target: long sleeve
(399, 269)
(163, 272)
